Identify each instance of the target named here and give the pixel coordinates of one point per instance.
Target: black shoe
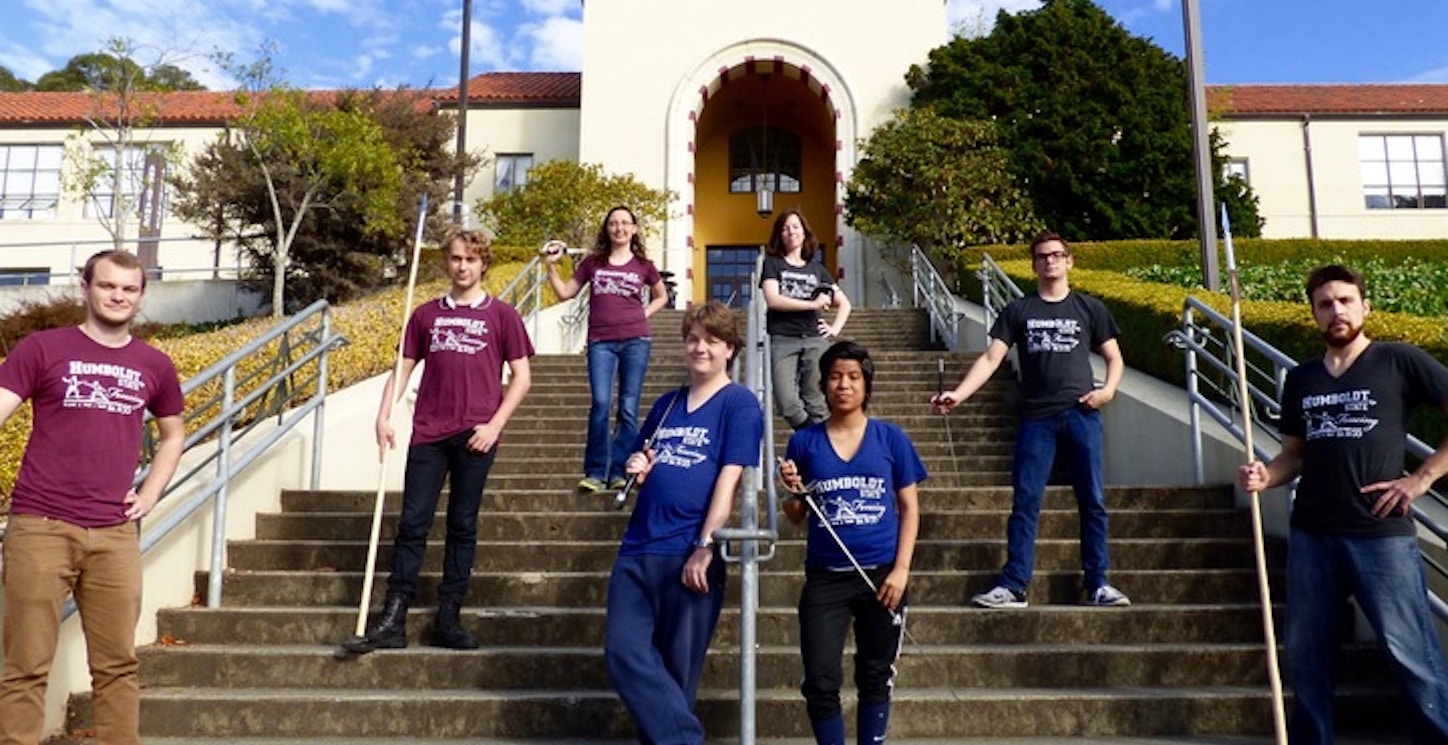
(390, 632)
(448, 631)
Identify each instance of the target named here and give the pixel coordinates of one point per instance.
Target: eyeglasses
(616, 224)
(1051, 257)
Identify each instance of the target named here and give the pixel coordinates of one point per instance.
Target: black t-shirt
(1055, 341)
(1353, 429)
(798, 283)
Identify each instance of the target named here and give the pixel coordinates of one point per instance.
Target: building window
(764, 158)
(1237, 168)
(29, 181)
(143, 167)
(511, 171)
(25, 276)
(1403, 171)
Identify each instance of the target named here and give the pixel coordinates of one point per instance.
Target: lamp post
(462, 145)
(1201, 148)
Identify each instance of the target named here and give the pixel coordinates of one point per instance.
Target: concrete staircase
(1184, 661)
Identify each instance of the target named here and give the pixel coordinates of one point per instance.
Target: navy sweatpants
(655, 639)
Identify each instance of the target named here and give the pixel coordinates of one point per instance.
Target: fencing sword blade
(1227, 236)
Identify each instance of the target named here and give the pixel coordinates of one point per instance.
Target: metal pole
(223, 473)
(1198, 469)
(318, 425)
(1201, 148)
(462, 144)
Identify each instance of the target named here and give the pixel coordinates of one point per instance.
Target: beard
(1338, 339)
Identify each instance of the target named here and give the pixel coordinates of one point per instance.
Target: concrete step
(565, 555)
(1214, 623)
(589, 588)
(971, 498)
(1371, 738)
(778, 667)
(1010, 712)
(936, 524)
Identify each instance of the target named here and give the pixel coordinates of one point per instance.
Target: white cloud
(977, 17)
(24, 63)
(1439, 75)
(487, 53)
(550, 7)
(557, 44)
(423, 52)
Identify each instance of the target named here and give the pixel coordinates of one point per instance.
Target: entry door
(728, 274)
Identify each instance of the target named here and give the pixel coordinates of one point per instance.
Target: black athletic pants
(831, 599)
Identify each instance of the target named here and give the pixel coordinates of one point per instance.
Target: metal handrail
(235, 416)
(750, 534)
(1206, 343)
(929, 289)
(997, 291)
(892, 297)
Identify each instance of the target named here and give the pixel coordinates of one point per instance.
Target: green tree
(566, 200)
(938, 182)
(1095, 119)
(11, 84)
(110, 69)
(336, 252)
(112, 164)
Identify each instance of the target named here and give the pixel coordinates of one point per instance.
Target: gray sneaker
(1107, 596)
(1000, 597)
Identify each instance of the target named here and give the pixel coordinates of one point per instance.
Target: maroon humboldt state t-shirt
(616, 310)
(89, 401)
(465, 347)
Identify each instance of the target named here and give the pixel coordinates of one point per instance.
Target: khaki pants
(44, 560)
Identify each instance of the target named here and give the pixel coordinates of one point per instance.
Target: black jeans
(826, 606)
(467, 472)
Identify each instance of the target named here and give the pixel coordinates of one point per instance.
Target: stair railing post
(318, 417)
(223, 474)
(1193, 394)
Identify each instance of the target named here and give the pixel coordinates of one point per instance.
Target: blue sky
(339, 43)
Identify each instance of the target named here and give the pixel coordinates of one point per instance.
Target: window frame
(30, 204)
(1393, 182)
(514, 181)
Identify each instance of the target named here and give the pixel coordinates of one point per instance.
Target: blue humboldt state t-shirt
(690, 450)
(857, 496)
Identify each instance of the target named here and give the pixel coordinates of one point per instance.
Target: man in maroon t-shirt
(73, 511)
(465, 337)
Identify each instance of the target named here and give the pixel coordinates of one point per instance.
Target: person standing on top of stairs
(1055, 331)
(796, 288)
(667, 585)
(1344, 424)
(465, 337)
(864, 473)
(73, 520)
(619, 338)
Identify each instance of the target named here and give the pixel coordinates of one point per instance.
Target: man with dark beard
(1344, 418)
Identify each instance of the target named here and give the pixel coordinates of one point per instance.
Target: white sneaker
(1107, 596)
(1000, 597)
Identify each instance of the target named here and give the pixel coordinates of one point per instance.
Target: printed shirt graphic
(797, 283)
(857, 496)
(690, 450)
(1353, 429)
(464, 348)
(89, 403)
(1055, 341)
(616, 297)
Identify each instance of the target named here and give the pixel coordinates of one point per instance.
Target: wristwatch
(703, 543)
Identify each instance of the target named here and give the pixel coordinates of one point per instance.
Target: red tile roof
(1338, 100)
(564, 89)
(524, 88)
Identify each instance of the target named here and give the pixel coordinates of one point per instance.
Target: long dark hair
(776, 236)
(603, 246)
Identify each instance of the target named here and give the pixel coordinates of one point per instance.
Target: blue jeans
(794, 368)
(1386, 577)
(629, 359)
(1078, 431)
(467, 472)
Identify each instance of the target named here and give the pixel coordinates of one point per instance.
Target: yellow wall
(722, 218)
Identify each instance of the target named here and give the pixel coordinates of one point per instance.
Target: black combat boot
(447, 630)
(390, 631)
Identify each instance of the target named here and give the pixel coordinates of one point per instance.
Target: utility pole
(1201, 147)
(462, 146)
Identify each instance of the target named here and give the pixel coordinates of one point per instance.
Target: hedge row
(370, 325)
(1123, 255)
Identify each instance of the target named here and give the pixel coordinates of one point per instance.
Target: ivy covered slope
(370, 325)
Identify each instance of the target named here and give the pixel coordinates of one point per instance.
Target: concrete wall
(174, 301)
